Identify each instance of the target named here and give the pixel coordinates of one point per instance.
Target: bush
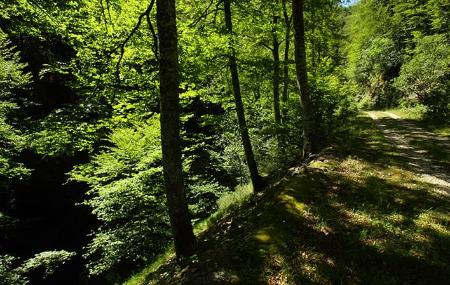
(333, 103)
(44, 264)
(202, 196)
(10, 273)
(47, 262)
(127, 197)
(377, 65)
(425, 77)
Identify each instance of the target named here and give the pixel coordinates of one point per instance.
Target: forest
(224, 142)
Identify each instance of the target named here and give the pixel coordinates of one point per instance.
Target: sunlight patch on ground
(291, 204)
(443, 187)
(323, 164)
(392, 115)
(437, 222)
(262, 236)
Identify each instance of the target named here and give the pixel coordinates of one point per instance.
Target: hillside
(357, 214)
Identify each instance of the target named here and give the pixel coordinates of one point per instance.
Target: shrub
(202, 196)
(47, 261)
(425, 77)
(334, 107)
(127, 197)
(10, 273)
(44, 264)
(377, 65)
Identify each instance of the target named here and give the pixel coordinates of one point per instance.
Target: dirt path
(402, 134)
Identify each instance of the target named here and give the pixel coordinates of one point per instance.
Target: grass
(356, 215)
(141, 278)
(413, 113)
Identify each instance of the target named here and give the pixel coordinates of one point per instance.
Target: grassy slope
(356, 215)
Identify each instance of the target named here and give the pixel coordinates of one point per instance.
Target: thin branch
(266, 46)
(206, 13)
(105, 21)
(108, 8)
(154, 35)
(130, 35)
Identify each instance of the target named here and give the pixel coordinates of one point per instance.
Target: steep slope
(356, 215)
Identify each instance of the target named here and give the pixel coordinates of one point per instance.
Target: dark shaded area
(43, 209)
(46, 216)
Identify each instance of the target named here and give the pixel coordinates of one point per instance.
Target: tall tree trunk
(254, 175)
(309, 122)
(276, 68)
(183, 234)
(287, 36)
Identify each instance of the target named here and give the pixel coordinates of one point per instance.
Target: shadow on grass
(358, 220)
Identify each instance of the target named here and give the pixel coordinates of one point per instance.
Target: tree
(309, 122)
(169, 77)
(276, 66)
(232, 64)
(287, 42)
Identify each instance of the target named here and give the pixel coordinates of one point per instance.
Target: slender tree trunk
(276, 68)
(254, 175)
(309, 123)
(287, 35)
(183, 234)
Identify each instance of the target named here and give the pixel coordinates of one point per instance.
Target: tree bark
(183, 234)
(287, 36)
(309, 122)
(276, 68)
(251, 163)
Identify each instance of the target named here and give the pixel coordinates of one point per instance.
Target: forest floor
(375, 210)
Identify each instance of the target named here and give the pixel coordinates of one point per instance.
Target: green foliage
(425, 75)
(47, 261)
(12, 75)
(234, 199)
(392, 50)
(202, 196)
(334, 105)
(10, 274)
(12, 140)
(111, 115)
(127, 197)
(377, 59)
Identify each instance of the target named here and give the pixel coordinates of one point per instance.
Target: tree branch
(154, 35)
(130, 35)
(206, 13)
